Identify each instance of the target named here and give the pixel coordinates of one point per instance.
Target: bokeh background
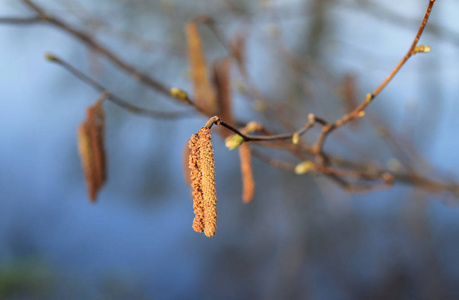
(302, 237)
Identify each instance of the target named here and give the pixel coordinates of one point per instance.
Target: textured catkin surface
(207, 167)
(195, 176)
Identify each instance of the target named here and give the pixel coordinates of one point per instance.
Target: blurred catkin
(204, 93)
(91, 149)
(248, 184)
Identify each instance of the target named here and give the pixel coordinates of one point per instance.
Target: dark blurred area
(302, 237)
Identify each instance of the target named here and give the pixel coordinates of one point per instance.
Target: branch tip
(233, 141)
(51, 57)
(296, 138)
(422, 49)
(212, 121)
(180, 95)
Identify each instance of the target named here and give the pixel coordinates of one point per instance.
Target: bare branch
(111, 56)
(358, 111)
(20, 21)
(113, 98)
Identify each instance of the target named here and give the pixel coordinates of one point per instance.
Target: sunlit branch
(357, 112)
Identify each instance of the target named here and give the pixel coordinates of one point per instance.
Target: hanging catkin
(195, 175)
(248, 184)
(91, 149)
(202, 171)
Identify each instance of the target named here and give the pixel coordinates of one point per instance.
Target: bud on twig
(304, 167)
(180, 95)
(233, 141)
(295, 138)
(422, 49)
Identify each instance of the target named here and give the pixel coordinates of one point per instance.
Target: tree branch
(20, 21)
(111, 56)
(359, 111)
(113, 98)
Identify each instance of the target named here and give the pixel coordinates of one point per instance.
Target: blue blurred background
(302, 237)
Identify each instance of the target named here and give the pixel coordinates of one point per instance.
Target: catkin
(204, 93)
(207, 167)
(92, 150)
(248, 184)
(202, 173)
(195, 176)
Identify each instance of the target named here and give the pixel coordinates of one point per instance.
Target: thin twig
(333, 175)
(253, 138)
(357, 112)
(20, 21)
(113, 98)
(111, 56)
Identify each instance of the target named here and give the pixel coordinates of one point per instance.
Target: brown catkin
(92, 150)
(87, 160)
(96, 133)
(195, 176)
(204, 94)
(207, 168)
(248, 184)
(222, 82)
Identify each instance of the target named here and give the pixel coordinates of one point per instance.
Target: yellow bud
(252, 126)
(361, 114)
(179, 94)
(234, 141)
(422, 49)
(51, 57)
(295, 138)
(368, 97)
(304, 167)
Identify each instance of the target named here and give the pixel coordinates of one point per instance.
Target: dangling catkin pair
(202, 173)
